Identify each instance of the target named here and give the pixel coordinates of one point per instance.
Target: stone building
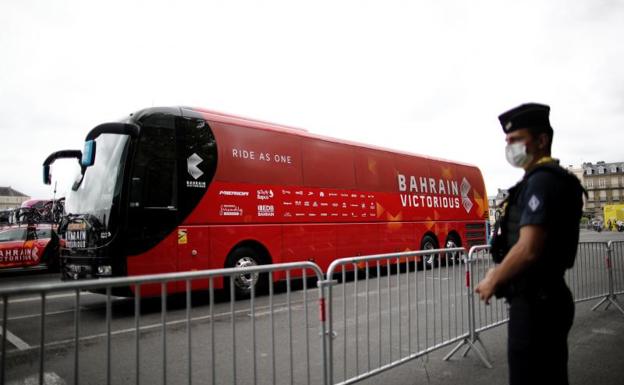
(10, 198)
(494, 203)
(604, 183)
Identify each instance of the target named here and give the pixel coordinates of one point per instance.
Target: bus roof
(264, 125)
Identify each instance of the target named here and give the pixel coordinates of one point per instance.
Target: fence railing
(227, 342)
(401, 316)
(366, 315)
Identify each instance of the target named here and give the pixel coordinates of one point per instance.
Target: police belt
(530, 286)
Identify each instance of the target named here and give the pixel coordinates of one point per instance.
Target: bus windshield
(101, 183)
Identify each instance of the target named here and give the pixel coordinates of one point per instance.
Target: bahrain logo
(191, 165)
(465, 189)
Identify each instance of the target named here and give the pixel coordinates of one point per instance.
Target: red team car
(28, 247)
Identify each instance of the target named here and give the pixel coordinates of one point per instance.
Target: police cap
(530, 115)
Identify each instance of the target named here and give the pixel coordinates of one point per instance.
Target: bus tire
(453, 241)
(246, 256)
(429, 261)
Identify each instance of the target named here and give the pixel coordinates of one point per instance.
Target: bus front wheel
(247, 257)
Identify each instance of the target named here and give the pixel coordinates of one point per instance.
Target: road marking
(49, 378)
(277, 310)
(150, 327)
(56, 296)
(58, 312)
(16, 341)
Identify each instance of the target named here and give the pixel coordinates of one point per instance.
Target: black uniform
(541, 305)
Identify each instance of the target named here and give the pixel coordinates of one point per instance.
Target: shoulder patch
(534, 203)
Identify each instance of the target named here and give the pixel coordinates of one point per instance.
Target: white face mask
(516, 154)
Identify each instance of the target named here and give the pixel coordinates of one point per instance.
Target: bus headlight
(105, 270)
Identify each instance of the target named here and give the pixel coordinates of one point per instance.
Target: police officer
(534, 245)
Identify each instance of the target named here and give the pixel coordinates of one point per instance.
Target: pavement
(596, 345)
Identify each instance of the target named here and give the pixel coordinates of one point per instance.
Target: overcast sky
(428, 77)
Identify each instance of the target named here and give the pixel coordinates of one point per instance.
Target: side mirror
(88, 155)
(63, 154)
(47, 177)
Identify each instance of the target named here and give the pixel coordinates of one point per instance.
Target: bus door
(153, 203)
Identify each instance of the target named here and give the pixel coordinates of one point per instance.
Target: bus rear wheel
(453, 242)
(429, 261)
(247, 257)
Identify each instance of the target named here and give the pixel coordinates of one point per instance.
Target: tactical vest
(507, 228)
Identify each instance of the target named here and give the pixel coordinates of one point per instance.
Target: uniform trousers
(539, 324)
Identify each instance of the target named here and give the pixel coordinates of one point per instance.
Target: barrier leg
(472, 339)
(610, 298)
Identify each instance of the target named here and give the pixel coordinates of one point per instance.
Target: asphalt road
(369, 332)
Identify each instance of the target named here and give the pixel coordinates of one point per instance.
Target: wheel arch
(252, 244)
(454, 234)
(430, 234)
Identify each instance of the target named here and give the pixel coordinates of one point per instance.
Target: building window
(601, 170)
(602, 183)
(589, 183)
(590, 196)
(603, 196)
(588, 171)
(614, 169)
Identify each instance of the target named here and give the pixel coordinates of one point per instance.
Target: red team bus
(180, 189)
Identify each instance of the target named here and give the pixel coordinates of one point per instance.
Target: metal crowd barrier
(376, 324)
(369, 314)
(238, 345)
(614, 262)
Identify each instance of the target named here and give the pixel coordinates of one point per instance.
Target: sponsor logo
(434, 192)
(76, 239)
(286, 192)
(266, 210)
(230, 211)
(195, 184)
(77, 226)
(264, 195)
(19, 255)
(234, 193)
